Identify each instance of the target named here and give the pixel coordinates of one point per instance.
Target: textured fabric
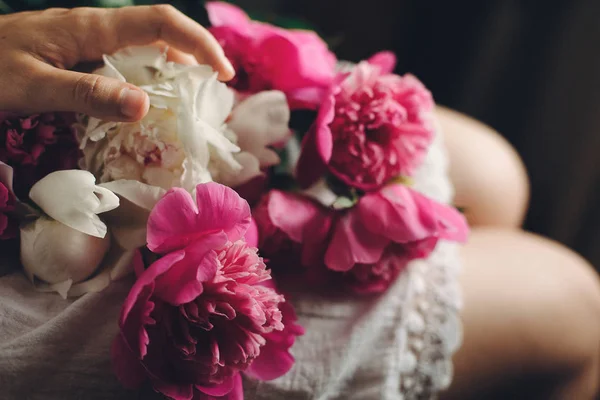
(397, 345)
(52, 348)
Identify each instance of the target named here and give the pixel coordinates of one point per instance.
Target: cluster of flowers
(91, 201)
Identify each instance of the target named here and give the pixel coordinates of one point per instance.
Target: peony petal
(176, 221)
(316, 235)
(317, 146)
(174, 391)
(110, 71)
(221, 13)
(54, 252)
(353, 244)
(118, 264)
(259, 121)
(237, 393)
(6, 176)
(137, 307)
(306, 98)
(304, 59)
(187, 270)
(135, 64)
(126, 366)
(211, 100)
(222, 389)
(71, 197)
(95, 131)
(172, 222)
(138, 193)
(204, 105)
(385, 60)
(61, 288)
(234, 177)
(398, 213)
(272, 363)
(452, 225)
(128, 221)
(275, 359)
(251, 236)
(291, 213)
(138, 263)
(195, 136)
(220, 208)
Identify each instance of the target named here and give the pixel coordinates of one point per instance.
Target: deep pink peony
(266, 57)
(207, 309)
(37, 145)
(370, 244)
(8, 224)
(372, 127)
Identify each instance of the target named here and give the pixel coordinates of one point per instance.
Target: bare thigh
(488, 175)
(531, 320)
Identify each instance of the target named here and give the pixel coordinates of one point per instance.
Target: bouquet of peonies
(168, 199)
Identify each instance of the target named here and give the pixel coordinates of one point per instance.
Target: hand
(38, 48)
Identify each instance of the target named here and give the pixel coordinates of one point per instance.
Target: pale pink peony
(372, 127)
(206, 310)
(369, 244)
(267, 57)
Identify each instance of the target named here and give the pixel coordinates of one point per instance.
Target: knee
(581, 312)
(489, 177)
(562, 330)
(531, 317)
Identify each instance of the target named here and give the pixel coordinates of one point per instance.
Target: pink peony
(377, 277)
(206, 310)
(372, 127)
(37, 145)
(369, 244)
(8, 224)
(266, 57)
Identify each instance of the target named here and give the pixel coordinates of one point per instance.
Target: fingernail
(131, 102)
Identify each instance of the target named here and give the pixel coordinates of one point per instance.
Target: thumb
(94, 95)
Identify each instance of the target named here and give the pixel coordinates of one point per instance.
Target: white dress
(397, 345)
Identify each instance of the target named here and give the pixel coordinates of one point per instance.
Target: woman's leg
(531, 320)
(488, 175)
(532, 307)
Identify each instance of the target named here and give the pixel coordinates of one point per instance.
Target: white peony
(186, 137)
(87, 235)
(197, 130)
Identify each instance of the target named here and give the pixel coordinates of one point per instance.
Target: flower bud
(54, 253)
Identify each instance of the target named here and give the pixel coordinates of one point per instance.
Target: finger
(176, 55)
(103, 31)
(180, 57)
(94, 95)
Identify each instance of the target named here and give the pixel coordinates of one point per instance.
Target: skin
(498, 196)
(532, 307)
(38, 48)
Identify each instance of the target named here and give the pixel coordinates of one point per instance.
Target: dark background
(529, 69)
